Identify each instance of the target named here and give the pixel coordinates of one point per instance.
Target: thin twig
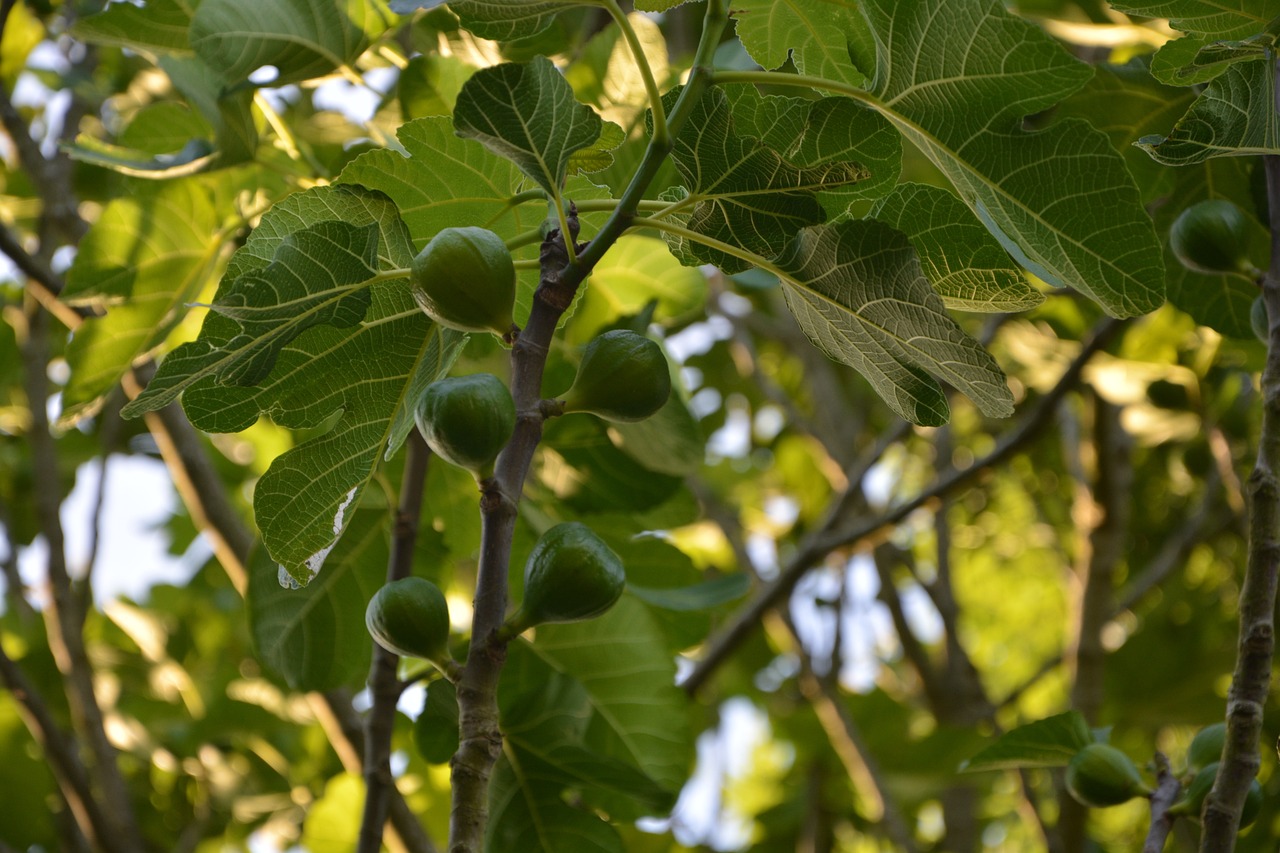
(830, 537)
(384, 687)
(1166, 793)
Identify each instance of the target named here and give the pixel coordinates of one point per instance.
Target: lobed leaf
(753, 168)
(1234, 116)
(146, 256)
(965, 264)
(820, 36)
(957, 79)
(858, 292)
(301, 39)
(527, 113)
(159, 25)
(302, 501)
(1217, 19)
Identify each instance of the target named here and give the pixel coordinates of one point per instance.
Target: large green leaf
(315, 637)
(1235, 116)
(753, 168)
(147, 255)
(301, 39)
(527, 113)
(160, 25)
(957, 77)
(637, 712)
(527, 813)
(857, 290)
(500, 20)
(965, 264)
(1217, 19)
(302, 503)
(820, 36)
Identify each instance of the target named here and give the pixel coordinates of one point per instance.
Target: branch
(1252, 679)
(829, 537)
(64, 615)
(563, 270)
(68, 770)
(384, 686)
(1167, 790)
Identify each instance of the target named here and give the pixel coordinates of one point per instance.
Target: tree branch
(384, 686)
(64, 615)
(1252, 679)
(1166, 794)
(830, 536)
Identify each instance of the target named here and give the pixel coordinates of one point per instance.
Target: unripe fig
(1258, 320)
(1206, 746)
(467, 420)
(465, 279)
(1212, 236)
(1192, 802)
(571, 575)
(1100, 775)
(623, 377)
(410, 618)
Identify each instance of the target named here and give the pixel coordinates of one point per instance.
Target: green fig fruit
(1206, 747)
(1100, 775)
(1259, 321)
(465, 279)
(623, 377)
(410, 618)
(1192, 802)
(467, 420)
(1212, 237)
(571, 575)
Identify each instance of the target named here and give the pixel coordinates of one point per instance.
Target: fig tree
(1212, 236)
(622, 377)
(410, 618)
(1100, 775)
(467, 420)
(464, 278)
(571, 575)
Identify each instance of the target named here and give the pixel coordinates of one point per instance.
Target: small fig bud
(1212, 236)
(623, 377)
(465, 279)
(467, 420)
(571, 575)
(1100, 775)
(410, 618)
(1192, 802)
(1206, 747)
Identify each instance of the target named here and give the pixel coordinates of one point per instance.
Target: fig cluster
(1099, 776)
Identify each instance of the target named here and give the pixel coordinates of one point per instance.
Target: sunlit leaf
(957, 78)
(526, 113)
(301, 39)
(1235, 116)
(821, 36)
(858, 292)
(965, 264)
